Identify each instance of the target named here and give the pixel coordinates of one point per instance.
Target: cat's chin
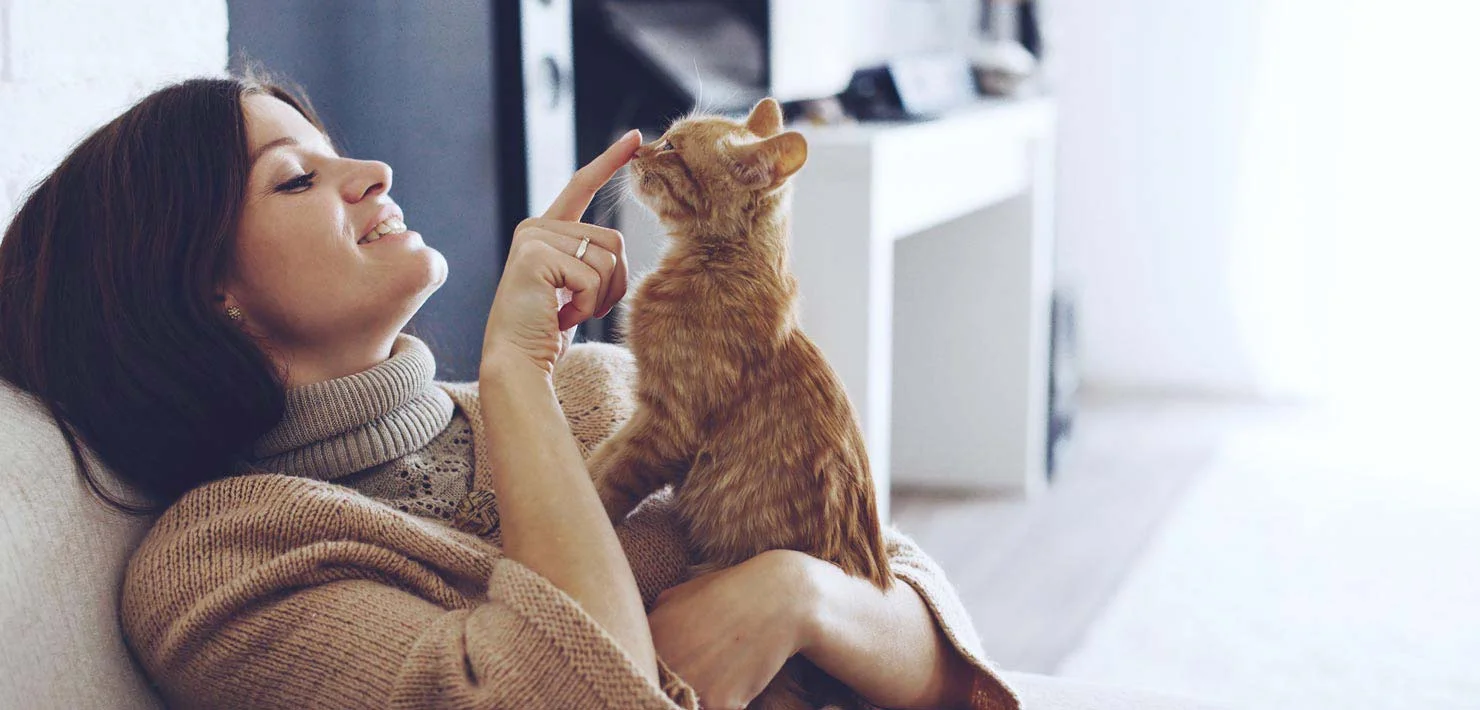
(667, 217)
(670, 222)
(651, 205)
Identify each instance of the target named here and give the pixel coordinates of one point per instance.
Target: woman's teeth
(389, 226)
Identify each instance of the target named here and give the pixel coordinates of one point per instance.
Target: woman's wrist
(812, 582)
(884, 645)
(499, 364)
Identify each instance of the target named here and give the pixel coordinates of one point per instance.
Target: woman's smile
(390, 226)
(400, 236)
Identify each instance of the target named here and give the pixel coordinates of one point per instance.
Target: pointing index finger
(573, 200)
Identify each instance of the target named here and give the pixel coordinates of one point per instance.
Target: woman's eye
(300, 183)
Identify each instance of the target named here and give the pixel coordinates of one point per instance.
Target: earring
(234, 313)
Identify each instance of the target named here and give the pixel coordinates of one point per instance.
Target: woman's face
(327, 301)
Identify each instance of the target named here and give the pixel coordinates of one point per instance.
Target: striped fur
(736, 406)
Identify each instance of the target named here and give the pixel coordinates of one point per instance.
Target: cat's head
(712, 169)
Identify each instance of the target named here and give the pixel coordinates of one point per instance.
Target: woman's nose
(372, 179)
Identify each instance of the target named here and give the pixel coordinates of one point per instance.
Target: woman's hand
(552, 520)
(727, 633)
(545, 291)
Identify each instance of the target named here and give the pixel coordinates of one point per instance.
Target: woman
(212, 298)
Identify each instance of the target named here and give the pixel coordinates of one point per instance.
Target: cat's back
(803, 364)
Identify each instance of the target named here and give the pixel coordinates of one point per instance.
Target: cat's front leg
(611, 468)
(630, 466)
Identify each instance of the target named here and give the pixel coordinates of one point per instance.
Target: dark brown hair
(109, 312)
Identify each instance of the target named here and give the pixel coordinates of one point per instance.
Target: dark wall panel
(412, 84)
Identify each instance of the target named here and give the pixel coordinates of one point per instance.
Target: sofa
(62, 559)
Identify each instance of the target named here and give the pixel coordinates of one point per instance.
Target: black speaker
(536, 104)
(1063, 376)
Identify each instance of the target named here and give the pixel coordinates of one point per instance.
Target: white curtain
(1274, 198)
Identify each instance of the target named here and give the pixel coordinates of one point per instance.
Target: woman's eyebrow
(284, 141)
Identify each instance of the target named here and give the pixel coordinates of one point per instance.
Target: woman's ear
(767, 164)
(765, 118)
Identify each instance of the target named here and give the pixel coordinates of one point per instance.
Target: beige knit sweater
(267, 590)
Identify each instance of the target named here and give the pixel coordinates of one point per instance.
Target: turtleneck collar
(337, 427)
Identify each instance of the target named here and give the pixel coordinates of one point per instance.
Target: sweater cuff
(677, 690)
(912, 566)
(571, 648)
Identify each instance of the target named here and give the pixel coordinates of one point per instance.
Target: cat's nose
(645, 150)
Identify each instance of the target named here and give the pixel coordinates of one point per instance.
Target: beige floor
(1035, 574)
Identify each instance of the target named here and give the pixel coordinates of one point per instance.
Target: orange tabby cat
(736, 406)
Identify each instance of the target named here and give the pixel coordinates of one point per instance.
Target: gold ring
(581, 250)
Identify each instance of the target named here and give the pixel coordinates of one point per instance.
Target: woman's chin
(433, 269)
(410, 274)
(407, 293)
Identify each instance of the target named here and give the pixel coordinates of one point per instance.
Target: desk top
(1029, 115)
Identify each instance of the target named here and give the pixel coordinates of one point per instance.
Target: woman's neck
(308, 364)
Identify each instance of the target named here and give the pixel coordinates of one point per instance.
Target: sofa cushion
(1039, 692)
(61, 562)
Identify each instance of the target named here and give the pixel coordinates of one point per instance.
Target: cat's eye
(667, 146)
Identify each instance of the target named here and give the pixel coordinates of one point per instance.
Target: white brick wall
(69, 66)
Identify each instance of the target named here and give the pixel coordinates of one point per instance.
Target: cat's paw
(614, 501)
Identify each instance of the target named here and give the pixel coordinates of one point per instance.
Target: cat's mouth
(653, 190)
(645, 183)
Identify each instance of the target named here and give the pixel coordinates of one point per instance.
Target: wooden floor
(1034, 575)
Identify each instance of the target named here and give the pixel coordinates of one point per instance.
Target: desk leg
(971, 352)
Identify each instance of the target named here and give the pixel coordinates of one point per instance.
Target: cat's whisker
(731, 97)
(698, 102)
(611, 192)
(610, 197)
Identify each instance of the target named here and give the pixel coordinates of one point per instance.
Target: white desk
(924, 253)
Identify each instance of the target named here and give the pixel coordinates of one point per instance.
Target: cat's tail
(863, 553)
(877, 556)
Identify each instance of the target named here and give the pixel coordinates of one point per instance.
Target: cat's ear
(767, 164)
(765, 118)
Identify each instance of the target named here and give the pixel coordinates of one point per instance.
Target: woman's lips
(387, 226)
(393, 237)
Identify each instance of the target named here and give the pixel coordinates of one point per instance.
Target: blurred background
(1157, 314)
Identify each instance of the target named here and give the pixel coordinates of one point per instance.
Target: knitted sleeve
(596, 384)
(326, 602)
(910, 564)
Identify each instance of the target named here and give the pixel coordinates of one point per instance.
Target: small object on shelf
(912, 87)
(1002, 67)
(1007, 56)
(819, 112)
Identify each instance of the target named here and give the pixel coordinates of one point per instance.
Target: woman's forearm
(885, 646)
(551, 518)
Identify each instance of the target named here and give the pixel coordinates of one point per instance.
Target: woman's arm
(551, 518)
(559, 273)
(728, 632)
(277, 592)
(886, 645)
